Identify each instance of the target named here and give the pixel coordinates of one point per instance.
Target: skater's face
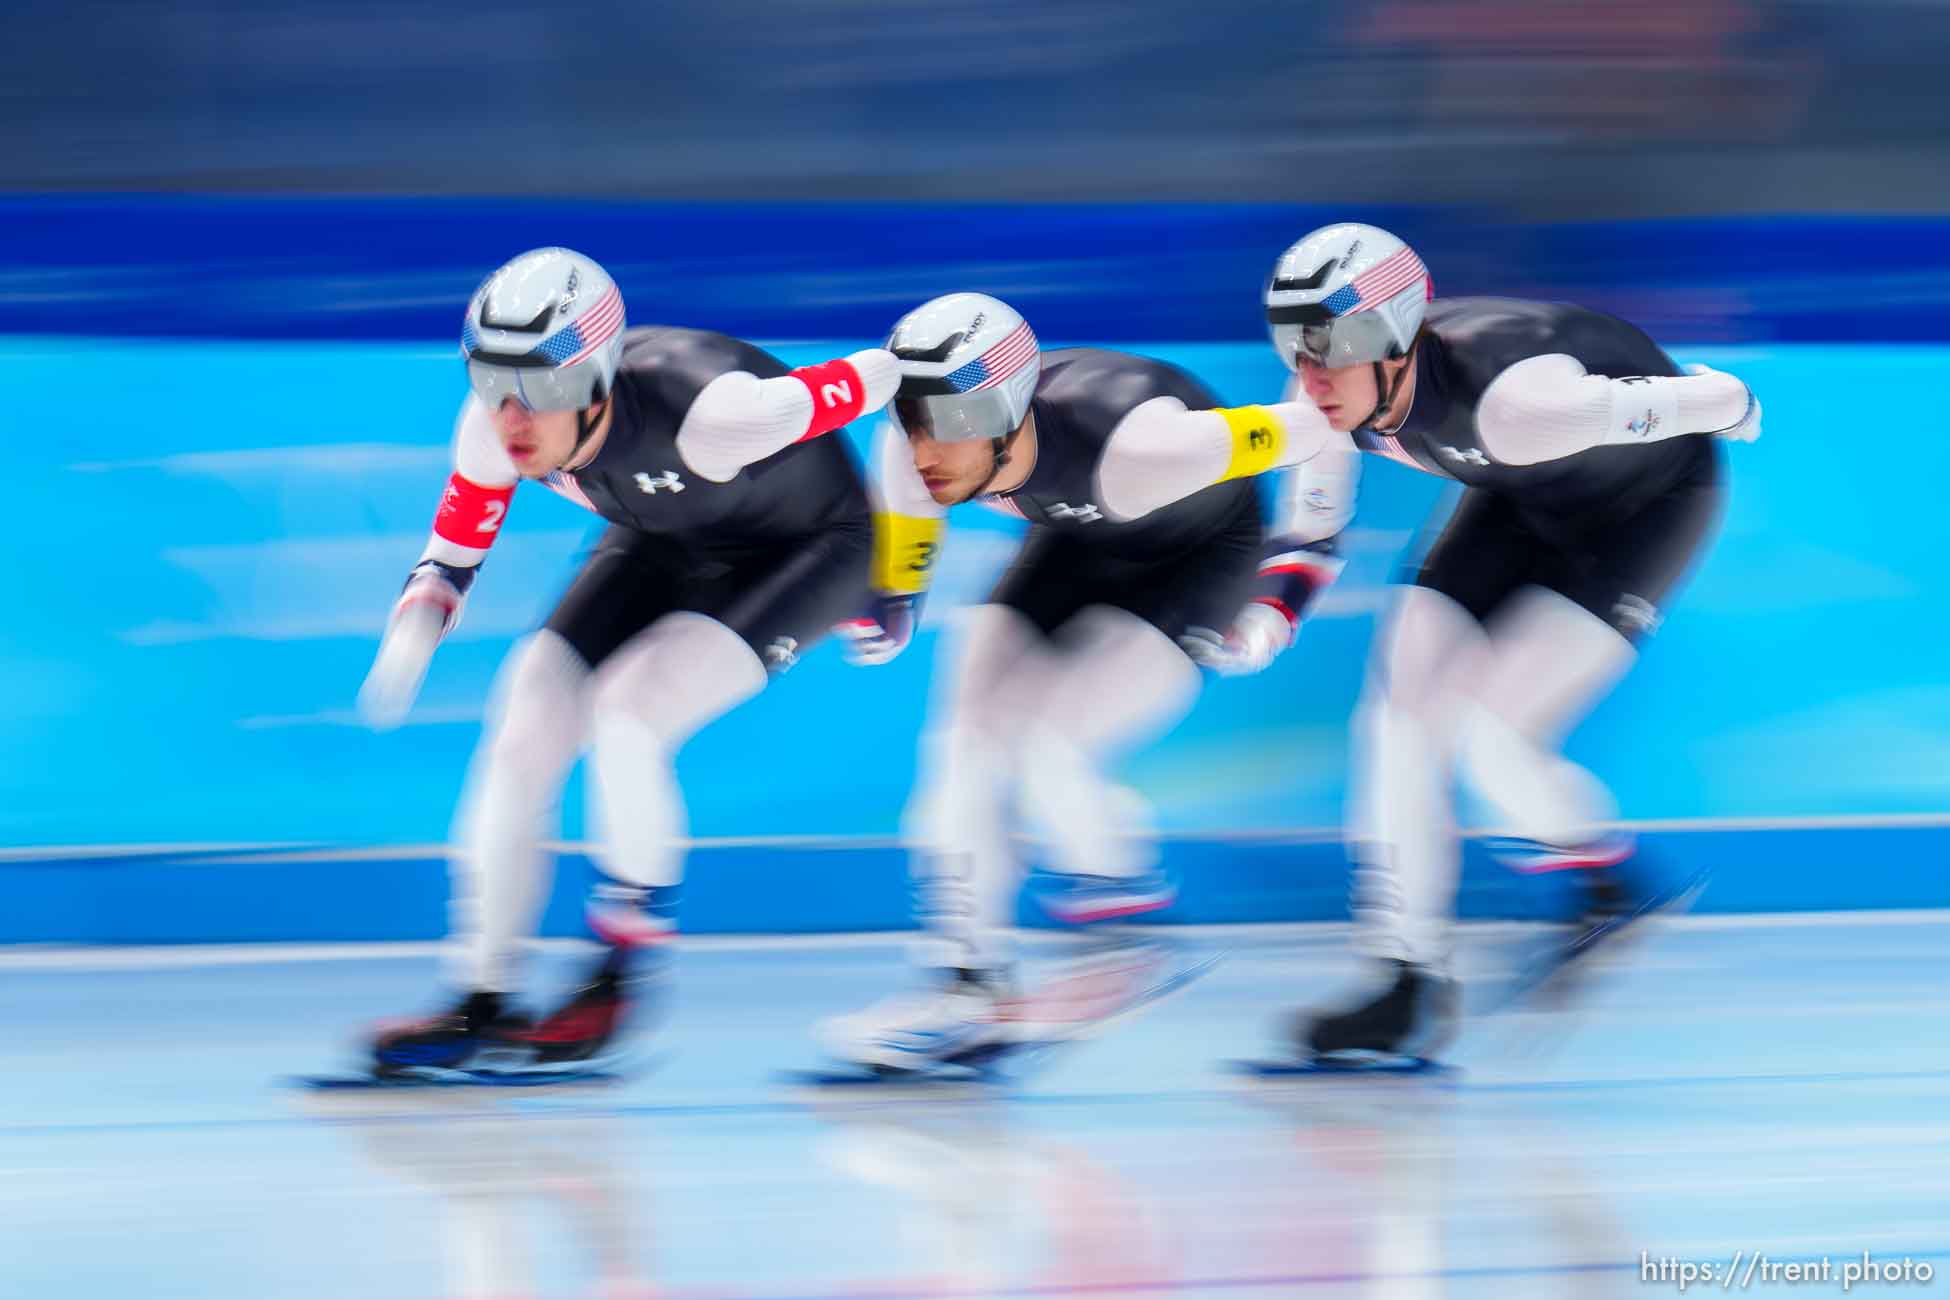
(1346, 395)
(952, 471)
(538, 442)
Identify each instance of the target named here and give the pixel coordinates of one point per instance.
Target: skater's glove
(1259, 633)
(1747, 427)
(427, 608)
(882, 631)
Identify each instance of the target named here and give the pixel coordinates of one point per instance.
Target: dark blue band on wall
(256, 897)
(343, 268)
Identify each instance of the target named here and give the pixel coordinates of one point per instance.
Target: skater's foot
(593, 1017)
(479, 1028)
(957, 1022)
(1413, 1017)
(1611, 901)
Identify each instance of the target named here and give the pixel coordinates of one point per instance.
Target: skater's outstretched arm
(739, 419)
(1162, 452)
(1546, 408)
(472, 510)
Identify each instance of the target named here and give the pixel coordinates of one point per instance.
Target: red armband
(470, 515)
(838, 393)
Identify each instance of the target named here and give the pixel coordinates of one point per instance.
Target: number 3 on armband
(923, 557)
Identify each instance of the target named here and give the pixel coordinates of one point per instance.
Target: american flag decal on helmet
(587, 332)
(998, 363)
(1378, 283)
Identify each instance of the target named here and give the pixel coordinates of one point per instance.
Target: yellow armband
(1257, 439)
(904, 548)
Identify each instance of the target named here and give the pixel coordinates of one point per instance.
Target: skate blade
(1335, 1067)
(427, 1077)
(1040, 1032)
(1559, 977)
(980, 1065)
(945, 1079)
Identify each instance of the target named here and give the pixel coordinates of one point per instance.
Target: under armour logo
(667, 479)
(1468, 456)
(782, 653)
(1636, 614)
(1083, 514)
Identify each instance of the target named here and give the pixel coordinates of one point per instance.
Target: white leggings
(637, 709)
(1447, 695)
(1026, 722)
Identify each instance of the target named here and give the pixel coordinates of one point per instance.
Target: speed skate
(989, 1041)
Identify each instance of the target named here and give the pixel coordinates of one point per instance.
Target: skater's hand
(1747, 428)
(1259, 633)
(428, 606)
(882, 632)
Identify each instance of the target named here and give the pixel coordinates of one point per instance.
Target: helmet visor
(542, 387)
(1311, 332)
(932, 408)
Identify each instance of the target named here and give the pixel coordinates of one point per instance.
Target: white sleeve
(894, 486)
(1316, 500)
(1548, 407)
(739, 419)
(479, 458)
(1160, 452)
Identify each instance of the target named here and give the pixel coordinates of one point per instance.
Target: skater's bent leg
(648, 698)
(1405, 890)
(535, 729)
(966, 870)
(1549, 663)
(1115, 682)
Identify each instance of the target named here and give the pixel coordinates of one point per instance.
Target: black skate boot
(1611, 901)
(1413, 1018)
(589, 1023)
(1619, 896)
(479, 1026)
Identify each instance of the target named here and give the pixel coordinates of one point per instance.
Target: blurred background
(236, 238)
(235, 241)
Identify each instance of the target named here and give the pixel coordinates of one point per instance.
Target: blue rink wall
(204, 545)
(207, 529)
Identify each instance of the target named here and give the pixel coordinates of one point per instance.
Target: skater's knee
(1000, 665)
(1490, 752)
(1415, 729)
(1429, 650)
(1117, 681)
(539, 712)
(678, 674)
(1531, 786)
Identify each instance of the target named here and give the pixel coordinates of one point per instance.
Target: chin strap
(586, 427)
(1387, 398)
(1001, 446)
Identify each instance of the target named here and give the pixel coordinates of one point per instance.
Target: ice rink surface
(1774, 1087)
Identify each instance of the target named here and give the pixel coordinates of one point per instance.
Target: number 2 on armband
(491, 517)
